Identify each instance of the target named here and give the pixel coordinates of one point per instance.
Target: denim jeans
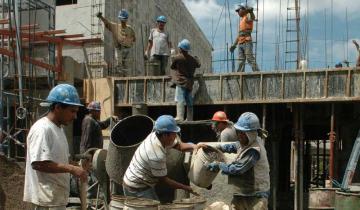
(146, 193)
(183, 95)
(245, 53)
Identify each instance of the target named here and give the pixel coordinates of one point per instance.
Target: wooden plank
(120, 92)
(153, 93)
(136, 91)
(206, 89)
(231, 88)
(272, 83)
(355, 84)
(337, 84)
(251, 87)
(314, 84)
(293, 85)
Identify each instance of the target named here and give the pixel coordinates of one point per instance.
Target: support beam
(299, 147)
(332, 142)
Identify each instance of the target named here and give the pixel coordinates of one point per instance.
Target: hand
(190, 190)
(99, 14)
(213, 167)
(172, 51)
(114, 118)
(79, 173)
(232, 48)
(146, 55)
(199, 145)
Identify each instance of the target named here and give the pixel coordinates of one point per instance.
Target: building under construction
(312, 115)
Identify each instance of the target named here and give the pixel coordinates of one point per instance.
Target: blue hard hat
(123, 15)
(65, 94)
(161, 18)
(248, 121)
(184, 45)
(166, 124)
(94, 105)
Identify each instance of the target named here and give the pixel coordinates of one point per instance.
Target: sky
(327, 28)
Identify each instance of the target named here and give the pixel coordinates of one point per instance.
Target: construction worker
(183, 66)
(91, 135)
(159, 45)
(47, 173)
(358, 50)
(249, 172)
(148, 165)
(124, 38)
(223, 128)
(244, 41)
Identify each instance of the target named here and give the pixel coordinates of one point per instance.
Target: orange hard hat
(220, 116)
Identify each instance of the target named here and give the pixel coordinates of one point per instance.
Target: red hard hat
(220, 116)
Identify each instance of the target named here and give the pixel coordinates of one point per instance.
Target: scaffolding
(292, 47)
(31, 63)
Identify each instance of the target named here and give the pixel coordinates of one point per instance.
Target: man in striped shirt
(148, 165)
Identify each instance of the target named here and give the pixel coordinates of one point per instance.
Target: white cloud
(202, 9)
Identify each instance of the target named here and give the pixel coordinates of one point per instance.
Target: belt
(134, 188)
(122, 46)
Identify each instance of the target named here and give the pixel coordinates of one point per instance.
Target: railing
(238, 88)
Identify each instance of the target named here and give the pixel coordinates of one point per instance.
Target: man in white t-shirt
(159, 45)
(47, 174)
(148, 165)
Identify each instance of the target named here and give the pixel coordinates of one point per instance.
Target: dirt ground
(11, 186)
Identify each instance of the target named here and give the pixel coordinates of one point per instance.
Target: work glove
(114, 118)
(232, 48)
(172, 52)
(214, 167)
(99, 14)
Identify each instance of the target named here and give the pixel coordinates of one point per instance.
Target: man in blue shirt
(249, 172)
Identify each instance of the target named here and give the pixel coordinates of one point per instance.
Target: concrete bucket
(125, 137)
(199, 174)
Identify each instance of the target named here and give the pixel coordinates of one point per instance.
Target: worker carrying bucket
(249, 172)
(148, 165)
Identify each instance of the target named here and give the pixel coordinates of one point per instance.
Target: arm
(105, 21)
(104, 124)
(185, 147)
(356, 45)
(53, 167)
(229, 148)
(174, 184)
(241, 166)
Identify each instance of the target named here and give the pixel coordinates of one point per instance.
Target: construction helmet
(94, 105)
(220, 116)
(241, 6)
(65, 94)
(123, 14)
(248, 121)
(161, 19)
(166, 124)
(184, 45)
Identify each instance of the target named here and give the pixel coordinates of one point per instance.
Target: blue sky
(323, 49)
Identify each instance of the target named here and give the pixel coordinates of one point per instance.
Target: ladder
(292, 43)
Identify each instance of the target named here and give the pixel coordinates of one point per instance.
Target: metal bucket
(197, 202)
(152, 68)
(199, 174)
(125, 137)
(177, 206)
(117, 202)
(141, 203)
(322, 198)
(347, 200)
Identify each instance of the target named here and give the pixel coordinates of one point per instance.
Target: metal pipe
(18, 51)
(332, 141)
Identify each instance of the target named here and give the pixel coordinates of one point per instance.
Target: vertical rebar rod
(332, 141)
(18, 51)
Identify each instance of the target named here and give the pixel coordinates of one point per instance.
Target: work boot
(180, 111)
(189, 113)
